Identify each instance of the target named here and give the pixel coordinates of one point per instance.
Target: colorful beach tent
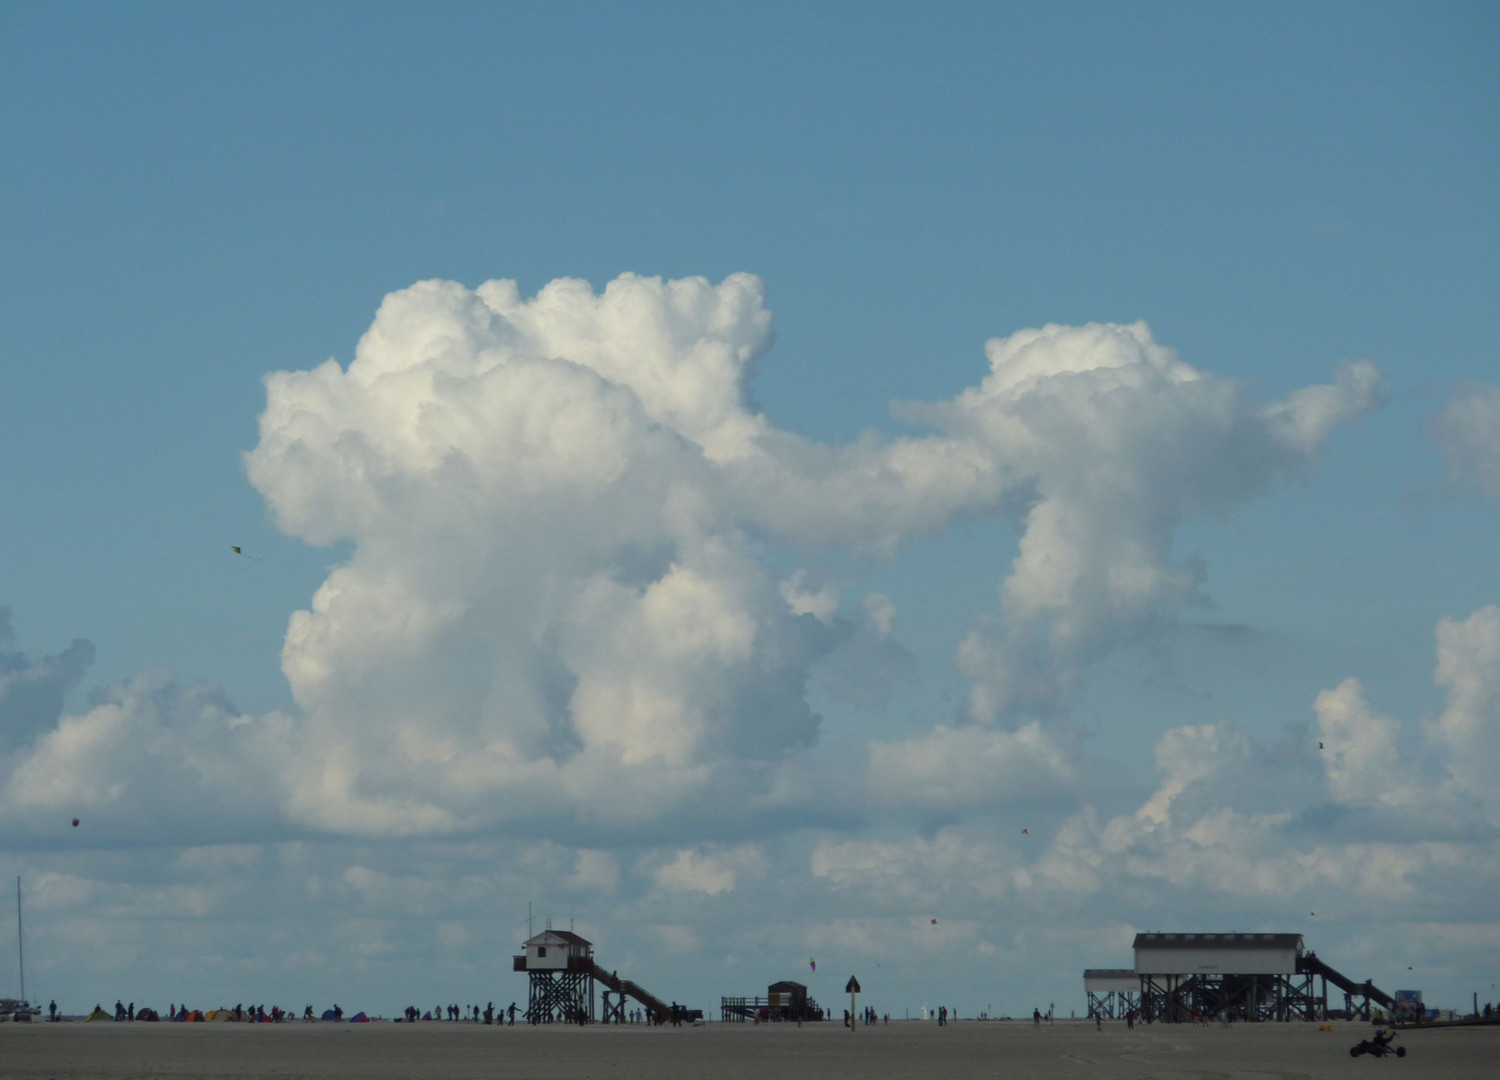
(359, 1018)
(100, 1014)
(328, 1015)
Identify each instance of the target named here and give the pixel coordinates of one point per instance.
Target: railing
(738, 1010)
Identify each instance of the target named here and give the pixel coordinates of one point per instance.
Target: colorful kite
(812, 963)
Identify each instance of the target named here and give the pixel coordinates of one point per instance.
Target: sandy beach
(78, 1051)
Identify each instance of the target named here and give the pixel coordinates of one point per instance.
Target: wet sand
(78, 1051)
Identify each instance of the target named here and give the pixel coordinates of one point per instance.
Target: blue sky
(195, 198)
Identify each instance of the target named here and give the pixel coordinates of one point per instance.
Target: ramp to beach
(1309, 964)
(658, 1009)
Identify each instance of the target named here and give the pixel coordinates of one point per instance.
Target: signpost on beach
(851, 989)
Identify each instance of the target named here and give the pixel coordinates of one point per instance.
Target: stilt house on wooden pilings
(1251, 977)
(563, 973)
(560, 965)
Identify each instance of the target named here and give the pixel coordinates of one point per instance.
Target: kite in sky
(1025, 832)
(240, 552)
(812, 963)
(934, 922)
(75, 823)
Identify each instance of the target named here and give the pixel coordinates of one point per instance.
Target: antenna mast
(21, 942)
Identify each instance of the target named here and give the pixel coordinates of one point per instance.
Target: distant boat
(12, 1008)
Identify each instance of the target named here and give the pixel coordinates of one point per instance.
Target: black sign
(853, 987)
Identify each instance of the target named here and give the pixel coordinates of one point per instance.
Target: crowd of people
(457, 1013)
(260, 1014)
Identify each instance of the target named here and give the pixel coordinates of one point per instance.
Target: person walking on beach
(512, 1014)
(1036, 1019)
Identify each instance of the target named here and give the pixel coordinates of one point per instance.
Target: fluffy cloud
(709, 871)
(1468, 670)
(1363, 761)
(551, 604)
(32, 689)
(561, 606)
(1467, 432)
(556, 590)
(562, 508)
(1120, 442)
(152, 761)
(963, 769)
(1224, 826)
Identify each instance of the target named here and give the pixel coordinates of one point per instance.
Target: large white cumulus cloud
(559, 598)
(549, 599)
(1121, 442)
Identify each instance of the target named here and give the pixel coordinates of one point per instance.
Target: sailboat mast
(21, 942)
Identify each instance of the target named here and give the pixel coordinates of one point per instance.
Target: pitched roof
(549, 937)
